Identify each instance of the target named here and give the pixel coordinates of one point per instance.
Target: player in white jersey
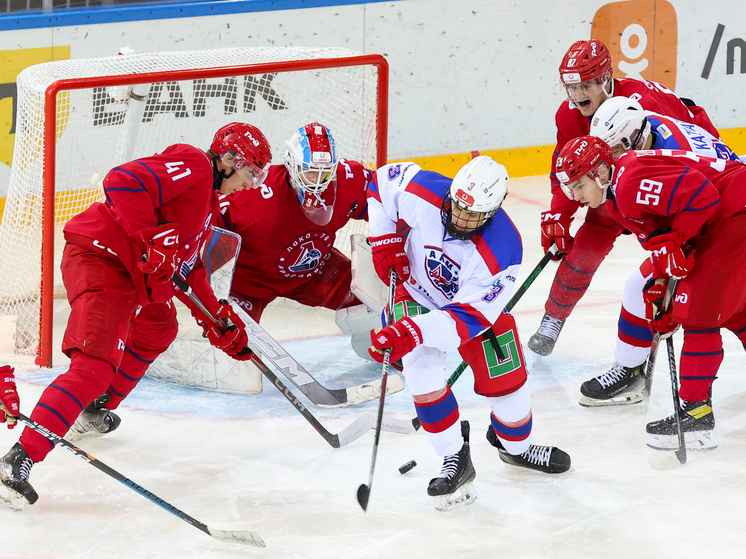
(623, 124)
(458, 270)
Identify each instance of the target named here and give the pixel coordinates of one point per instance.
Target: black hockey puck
(404, 468)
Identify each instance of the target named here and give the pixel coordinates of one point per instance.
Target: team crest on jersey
(306, 255)
(442, 271)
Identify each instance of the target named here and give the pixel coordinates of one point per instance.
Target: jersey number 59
(649, 191)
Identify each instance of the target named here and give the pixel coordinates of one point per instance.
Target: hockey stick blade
(244, 537)
(665, 460)
(263, 344)
(363, 495)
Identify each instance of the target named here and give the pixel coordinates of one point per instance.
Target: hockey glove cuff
(654, 294)
(9, 401)
(388, 252)
(669, 253)
(230, 338)
(555, 229)
(161, 245)
(401, 338)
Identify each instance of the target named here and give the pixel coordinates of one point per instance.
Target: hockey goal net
(76, 120)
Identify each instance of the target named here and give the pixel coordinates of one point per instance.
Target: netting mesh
(100, 127)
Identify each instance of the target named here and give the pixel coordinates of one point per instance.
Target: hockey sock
(64, 399)
(438, 414)
(701, 355)
(512, 420)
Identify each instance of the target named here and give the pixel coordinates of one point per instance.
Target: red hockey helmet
(582, 156)
(244, 148)
(584, 61)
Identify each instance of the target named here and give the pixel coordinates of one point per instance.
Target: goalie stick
(355, 430)
(220, 254)
(265, 345)
(489, 334)
(231, 536)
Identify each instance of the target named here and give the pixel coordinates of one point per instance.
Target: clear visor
(582, 90)
(249, 172)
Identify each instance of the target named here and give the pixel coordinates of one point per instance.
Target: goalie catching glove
(555, 229)
(9, 400)
(232, 338)
(401, 338)
(669, 254)
(388, 252)
(654, 293)
(161, 245)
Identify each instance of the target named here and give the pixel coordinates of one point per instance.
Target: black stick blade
(363, 494)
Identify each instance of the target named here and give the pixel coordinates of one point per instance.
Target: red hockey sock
(701, 356)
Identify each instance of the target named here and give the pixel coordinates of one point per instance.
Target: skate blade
(11, 500)
(695, 441)
(465, 495)
(619, 400)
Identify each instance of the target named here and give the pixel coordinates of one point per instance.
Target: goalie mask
(475, 195)
(580, 157)
(311, 159)
(621, 123)
(243, 149)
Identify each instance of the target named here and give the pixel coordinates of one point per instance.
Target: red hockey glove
(231, 339)
(654, 294)
(9, 400)
(555, 228)
(669, 254)
(401, 337)
(388, 252)
(161, 244)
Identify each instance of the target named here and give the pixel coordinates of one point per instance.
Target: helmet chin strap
(218, 175)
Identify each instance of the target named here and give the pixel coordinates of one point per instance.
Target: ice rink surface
(251, 462)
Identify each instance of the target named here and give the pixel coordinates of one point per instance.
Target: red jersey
(653, 96)
(677, 189)
(174, 185)
(281, 248)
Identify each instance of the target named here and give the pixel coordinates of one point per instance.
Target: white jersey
(669, 133)
(465, 284)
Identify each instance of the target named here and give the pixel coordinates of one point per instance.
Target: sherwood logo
(168, 97)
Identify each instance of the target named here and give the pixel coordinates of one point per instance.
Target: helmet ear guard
(476, 193)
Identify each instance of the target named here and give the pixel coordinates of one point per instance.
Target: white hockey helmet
(311, 159)
(475, 195)
(621, 121)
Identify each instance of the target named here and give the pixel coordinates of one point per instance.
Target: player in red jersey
(690, 212)
(586, 73)
(117, 267)
(288, 226)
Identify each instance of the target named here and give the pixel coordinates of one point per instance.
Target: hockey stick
(265, 345)
(665, 460)
(516, 297)
(353, 431)
(244, 536)
(650, 368)
(363, 492)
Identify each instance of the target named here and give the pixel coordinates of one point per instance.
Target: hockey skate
(542, 343)
(94, 421)
(697, 423)
(547, 459)
(453, 487)
(14, 471)
(617, 387)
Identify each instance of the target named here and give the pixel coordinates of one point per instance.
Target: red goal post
(90, 124)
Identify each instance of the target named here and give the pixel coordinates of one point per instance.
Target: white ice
(251, 462)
